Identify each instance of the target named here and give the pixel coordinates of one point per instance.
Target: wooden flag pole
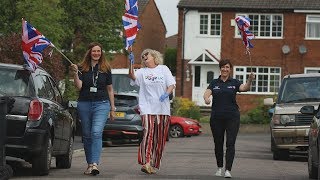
(131, 62)
(249, 54)
(65, 57)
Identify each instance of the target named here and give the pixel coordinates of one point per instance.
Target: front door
(203, 75)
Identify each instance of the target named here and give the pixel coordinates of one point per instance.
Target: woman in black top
(225, 115)
(95, 101)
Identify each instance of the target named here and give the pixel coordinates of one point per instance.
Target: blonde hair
(158, 57)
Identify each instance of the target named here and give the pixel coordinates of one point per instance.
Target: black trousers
(220, 125)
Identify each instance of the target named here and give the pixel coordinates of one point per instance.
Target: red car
(181, 126)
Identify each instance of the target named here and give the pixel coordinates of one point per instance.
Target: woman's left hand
(252, 76)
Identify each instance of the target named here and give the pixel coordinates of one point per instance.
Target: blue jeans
(93, 116)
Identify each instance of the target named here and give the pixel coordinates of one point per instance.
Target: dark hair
(224, 62)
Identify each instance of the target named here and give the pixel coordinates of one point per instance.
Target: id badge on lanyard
(94, 89)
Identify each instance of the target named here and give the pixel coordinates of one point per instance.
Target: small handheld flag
(130, 22)
(33, 43)
(243, 24)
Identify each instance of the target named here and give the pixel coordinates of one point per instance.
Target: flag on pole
(243, 24)
(33, 43)
(130, 21)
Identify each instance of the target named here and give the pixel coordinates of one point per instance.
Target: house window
(312, 70)
(313, 27)
(210, 24)
(210, 76)
(265, 25)
(267, 78)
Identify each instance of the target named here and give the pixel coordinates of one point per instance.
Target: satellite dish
(302, 49)
(285, 49)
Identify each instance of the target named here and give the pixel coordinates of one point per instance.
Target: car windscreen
(305, 89)
(121, 84)
(14, 82)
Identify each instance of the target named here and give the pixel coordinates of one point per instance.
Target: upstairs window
(313, 27)
(265, 25)
(210, 24)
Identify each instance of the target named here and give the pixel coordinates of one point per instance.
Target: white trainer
(227, 174)
(219, 172)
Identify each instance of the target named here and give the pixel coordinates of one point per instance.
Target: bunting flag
(130, 22)
(33, 43)
(243, 24)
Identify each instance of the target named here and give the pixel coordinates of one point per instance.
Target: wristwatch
(113, 109)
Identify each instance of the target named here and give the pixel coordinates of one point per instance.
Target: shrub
(185, 108)
(258, 115)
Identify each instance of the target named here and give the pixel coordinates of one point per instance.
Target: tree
(95, 20)
(46, 16)
(69, 24)
(170, 57)
(8, 17)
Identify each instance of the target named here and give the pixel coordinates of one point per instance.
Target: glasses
(144, 56)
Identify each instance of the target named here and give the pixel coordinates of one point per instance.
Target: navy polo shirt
(103, 80)
(224, 96)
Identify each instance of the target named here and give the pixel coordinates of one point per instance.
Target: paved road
(186, 158)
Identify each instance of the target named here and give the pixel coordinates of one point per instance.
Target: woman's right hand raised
(73, 69)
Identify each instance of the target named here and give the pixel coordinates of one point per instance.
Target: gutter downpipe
(182, 55)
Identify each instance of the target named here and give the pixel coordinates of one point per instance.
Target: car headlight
(284, 119)
(189, 122)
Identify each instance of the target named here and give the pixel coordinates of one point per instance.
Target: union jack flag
(243, 24)
(130, 21)
(33, 43)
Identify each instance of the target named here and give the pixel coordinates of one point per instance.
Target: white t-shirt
(153, 82)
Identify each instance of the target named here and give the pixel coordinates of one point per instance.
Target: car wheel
(280, 154)
(6, 172)
(64, 161)
(176, 131)
(313, 171)
(273, 146)
(41, 163)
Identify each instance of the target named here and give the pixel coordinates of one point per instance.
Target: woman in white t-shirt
(156, 83)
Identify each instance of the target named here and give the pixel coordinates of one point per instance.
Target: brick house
(287, 41)
(151, 35)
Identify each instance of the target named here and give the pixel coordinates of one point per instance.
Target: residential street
(186, 158)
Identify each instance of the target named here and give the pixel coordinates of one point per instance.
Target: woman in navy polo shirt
(225, 115)
(95, 101)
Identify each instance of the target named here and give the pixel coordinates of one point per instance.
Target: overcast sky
(169, 14)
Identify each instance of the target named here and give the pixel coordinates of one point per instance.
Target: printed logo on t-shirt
(216, 87)
(154, 79)
(231, 87)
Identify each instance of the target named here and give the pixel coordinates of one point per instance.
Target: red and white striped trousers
(154, 139)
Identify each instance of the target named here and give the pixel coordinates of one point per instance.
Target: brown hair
(224, 62)
(85, 65)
